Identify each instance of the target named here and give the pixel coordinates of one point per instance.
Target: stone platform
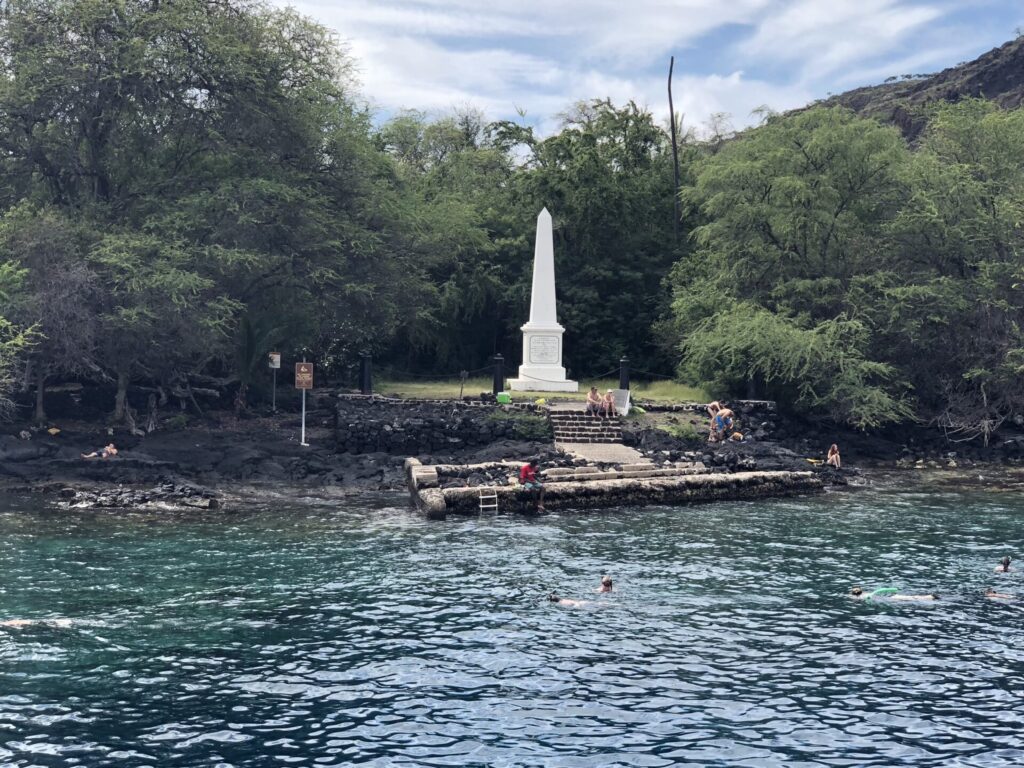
(591, 487)
(602, 453)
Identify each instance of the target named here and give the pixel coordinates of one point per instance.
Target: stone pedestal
(542, 369)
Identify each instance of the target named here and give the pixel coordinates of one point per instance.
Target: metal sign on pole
(274, 362)
(303, 381)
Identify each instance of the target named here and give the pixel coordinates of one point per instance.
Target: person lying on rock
(593, 402)
(1004, 565)
(103, 453)
(528, 479)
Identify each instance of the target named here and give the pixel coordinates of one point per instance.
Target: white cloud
(542, 55)
(828, 36)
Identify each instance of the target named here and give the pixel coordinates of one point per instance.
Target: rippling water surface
(366, 635)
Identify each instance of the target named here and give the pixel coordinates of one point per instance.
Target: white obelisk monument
(542, 369)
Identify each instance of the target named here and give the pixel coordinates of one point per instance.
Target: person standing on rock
(528, 479)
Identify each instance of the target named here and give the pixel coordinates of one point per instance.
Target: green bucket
(504, 398)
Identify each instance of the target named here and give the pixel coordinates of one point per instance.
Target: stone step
(556, 419)
(606, 441)
(587, 431)
(616, 427)
(575, 438)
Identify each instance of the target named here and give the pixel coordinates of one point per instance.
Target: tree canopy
(186, 186)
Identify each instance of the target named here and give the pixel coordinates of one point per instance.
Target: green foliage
(183, 185)
(822, 367)
(526, 426)
(843, 273)
(685, 431)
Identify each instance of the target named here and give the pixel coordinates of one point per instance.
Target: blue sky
(732, 56)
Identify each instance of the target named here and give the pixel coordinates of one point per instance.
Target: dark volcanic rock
(997, 75)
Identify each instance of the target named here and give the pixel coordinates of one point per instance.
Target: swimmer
(1004, 565)
(30, 622)
(889, 593)
(914, 597)
(993, 595)
(606, 584)
(553, 598)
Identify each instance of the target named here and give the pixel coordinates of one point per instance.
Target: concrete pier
(591, 487)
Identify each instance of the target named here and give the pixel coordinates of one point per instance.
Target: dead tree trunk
(121, 400)
(40, 414)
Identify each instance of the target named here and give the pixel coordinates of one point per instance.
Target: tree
(792, 228)
(13, 340)
(56, 296)
(217, 152)
(958, 310)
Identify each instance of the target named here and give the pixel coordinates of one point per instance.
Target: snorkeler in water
(606, 584)
(888, 593)
(36, 622)
(567, 602)
(993, 595)
(1004, 565)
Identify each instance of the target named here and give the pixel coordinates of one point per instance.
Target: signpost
(274, 362)
(303, 381)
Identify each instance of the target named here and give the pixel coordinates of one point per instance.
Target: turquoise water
(319, 636)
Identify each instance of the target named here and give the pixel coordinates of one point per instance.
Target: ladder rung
(489, 501)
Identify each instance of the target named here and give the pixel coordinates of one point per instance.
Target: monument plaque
(544, 350)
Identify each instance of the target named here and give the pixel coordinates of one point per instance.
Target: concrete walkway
(605, 453)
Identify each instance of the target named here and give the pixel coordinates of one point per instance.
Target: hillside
(996, 75)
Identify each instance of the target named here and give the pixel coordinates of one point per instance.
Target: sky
(529, 60)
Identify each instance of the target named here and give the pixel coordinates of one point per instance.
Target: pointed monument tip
(544, 212)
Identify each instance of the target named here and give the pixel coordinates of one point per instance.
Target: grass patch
(681, 431)
(658, 391)
(526, 426)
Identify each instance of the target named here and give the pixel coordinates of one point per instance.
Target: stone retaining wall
(403, 427)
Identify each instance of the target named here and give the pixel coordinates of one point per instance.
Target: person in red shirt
(528, 479)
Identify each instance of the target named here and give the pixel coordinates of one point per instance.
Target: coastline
(223, 461)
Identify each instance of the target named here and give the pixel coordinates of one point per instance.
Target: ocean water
(327, 635)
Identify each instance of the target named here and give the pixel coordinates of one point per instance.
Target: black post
(499, 374)
(366, 374)
(624, 373)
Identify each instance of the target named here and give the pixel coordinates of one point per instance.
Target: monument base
(536, 385)
(542, 369)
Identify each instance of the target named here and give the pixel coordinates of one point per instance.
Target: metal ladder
(488, 501)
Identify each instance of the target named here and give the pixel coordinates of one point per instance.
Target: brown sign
(303, 375)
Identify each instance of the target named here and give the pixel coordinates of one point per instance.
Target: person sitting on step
(593, 402)
(608, 405)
